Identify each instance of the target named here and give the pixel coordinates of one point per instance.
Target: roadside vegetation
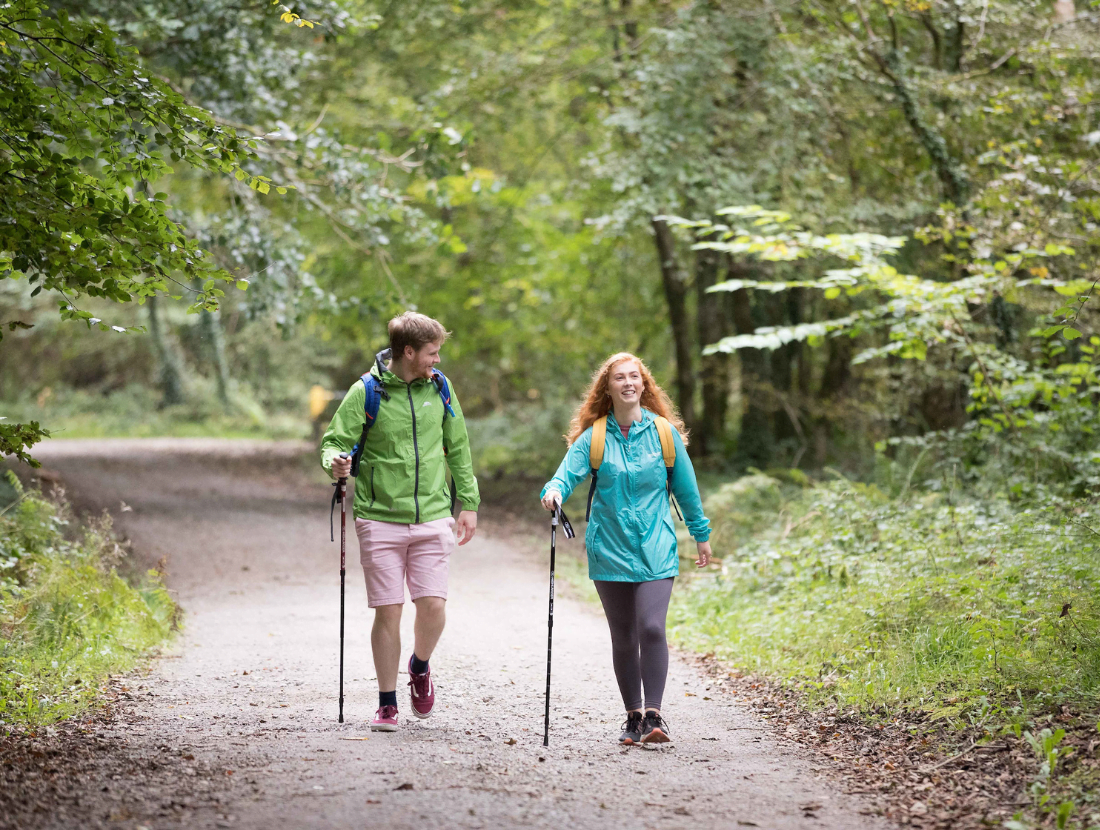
(68, 617)
(925, 598)
(931, 599)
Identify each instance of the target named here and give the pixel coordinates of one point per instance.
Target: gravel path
(236, 727)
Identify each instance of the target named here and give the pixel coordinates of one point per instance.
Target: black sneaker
(654, 729)
(632, 729)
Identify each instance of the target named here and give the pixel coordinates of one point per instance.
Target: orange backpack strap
(599, 440)
(668, 450)
(668, 446)
(595, 459)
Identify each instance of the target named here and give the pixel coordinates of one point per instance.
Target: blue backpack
(376, 392)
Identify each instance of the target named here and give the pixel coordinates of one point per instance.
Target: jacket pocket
(590, 543)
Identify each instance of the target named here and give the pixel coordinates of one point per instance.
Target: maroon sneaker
(422, 692)
(385, 719)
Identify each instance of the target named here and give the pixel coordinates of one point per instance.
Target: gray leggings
(636, 614)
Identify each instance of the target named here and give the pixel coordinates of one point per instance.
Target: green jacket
(402, 474)
(630, 537)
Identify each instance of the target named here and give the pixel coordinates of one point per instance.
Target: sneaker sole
(628, 742)
(656, 737)
(383, 727)
(424, 716)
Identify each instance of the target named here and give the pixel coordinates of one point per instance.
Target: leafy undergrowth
(67, 618)
(945, 620)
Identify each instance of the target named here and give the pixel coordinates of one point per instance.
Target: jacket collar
(388, 378)
(613, 425)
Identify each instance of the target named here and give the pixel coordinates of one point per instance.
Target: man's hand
(341, 467)
(466, 526)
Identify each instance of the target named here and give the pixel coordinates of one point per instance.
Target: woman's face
(625, 383)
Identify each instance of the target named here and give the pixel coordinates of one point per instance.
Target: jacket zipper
(372, 496)
(416, 450)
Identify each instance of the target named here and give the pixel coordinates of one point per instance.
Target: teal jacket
(630, 537)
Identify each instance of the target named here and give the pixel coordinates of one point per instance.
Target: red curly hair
(597, 400)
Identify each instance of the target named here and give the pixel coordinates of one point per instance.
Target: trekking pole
(550, 626)
(550, 620)
(341, 492)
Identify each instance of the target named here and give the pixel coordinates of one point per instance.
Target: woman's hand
(551, 500)
(704, 554)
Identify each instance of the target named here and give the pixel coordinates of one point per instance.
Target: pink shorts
(393, 554)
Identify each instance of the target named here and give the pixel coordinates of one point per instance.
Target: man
(402, 504)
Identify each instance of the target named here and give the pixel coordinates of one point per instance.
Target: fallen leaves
(912, 769)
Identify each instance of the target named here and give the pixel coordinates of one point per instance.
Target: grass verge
(135, 411)
(952, 615)
(67, 618)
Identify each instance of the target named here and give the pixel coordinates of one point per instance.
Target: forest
(857, 240)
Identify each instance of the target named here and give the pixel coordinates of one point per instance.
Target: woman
(630, 539)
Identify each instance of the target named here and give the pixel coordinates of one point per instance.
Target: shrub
(67, 618)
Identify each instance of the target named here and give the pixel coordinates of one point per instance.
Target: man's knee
(388, 617)
(431, 606)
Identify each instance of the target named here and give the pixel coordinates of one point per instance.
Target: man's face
(421, 361)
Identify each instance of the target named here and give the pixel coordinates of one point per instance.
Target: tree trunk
(838, 369)
(714, 368)
(676, 290)
(171, 367)
(211, 328)
(755, 443)
(955, 185)
(782, 364)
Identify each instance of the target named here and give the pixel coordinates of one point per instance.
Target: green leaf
(1070, 333)
(832, 293)
(1065, 809)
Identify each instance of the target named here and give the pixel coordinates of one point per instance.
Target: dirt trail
(237, 727)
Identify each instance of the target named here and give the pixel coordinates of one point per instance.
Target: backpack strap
(668, 450)
(444, 389)
(595, 459)
(375, 391)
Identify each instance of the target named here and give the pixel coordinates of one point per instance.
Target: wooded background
(926, 173)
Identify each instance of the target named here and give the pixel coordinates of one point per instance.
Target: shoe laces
(653, 719)
(421, 684)
(387, 711)
(633, 722)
